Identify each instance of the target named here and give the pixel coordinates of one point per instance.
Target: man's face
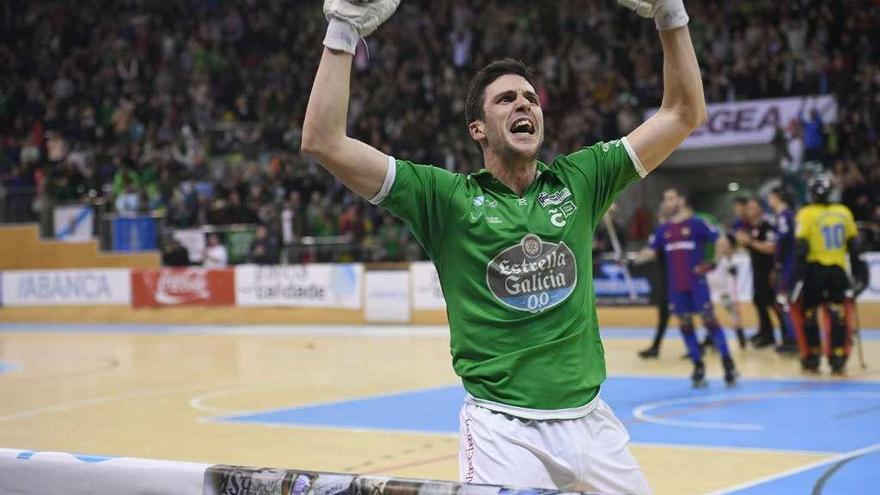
(672, 202)
(513, 122)
(753, 210)
(739, 209)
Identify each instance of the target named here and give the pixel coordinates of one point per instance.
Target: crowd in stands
(192, 109)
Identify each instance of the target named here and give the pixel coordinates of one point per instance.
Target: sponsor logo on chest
(532, 275)
(563, 206)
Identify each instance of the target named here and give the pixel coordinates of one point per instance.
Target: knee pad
(835, 311)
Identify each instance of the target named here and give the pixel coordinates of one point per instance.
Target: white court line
(332, 402)
(738, 450)
(833, 460)
(76, 404)
(198, 402)
(641, 412)
(353, 429)
(315, 331)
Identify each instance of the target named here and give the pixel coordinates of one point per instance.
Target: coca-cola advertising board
(183, 286)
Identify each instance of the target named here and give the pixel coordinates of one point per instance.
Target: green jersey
(516, 273)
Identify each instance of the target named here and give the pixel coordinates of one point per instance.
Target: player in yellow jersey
(827, 239)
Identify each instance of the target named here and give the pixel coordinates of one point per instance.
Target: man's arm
(746, 240)
(683, 108)
(359, 166)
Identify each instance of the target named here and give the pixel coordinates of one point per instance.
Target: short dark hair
(741, 199)
(781, 194)
(683, 194)
(476, 97)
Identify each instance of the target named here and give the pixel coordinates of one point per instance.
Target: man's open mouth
(522, 126)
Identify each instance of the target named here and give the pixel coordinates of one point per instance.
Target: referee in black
(759, 238)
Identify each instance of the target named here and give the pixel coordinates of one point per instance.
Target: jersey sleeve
(656, 240)
(608, 168)
(802, 225)
(705, 231)
(419, 195)
(851, 229)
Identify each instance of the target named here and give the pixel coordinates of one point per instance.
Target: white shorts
(727, 282)
(583, 454)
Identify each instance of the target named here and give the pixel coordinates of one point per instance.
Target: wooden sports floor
(384, 400)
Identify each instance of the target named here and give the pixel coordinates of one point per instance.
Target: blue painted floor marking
(849, 476)
(761, 414)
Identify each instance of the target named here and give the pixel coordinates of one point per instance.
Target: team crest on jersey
(533, 274)
(686, 231)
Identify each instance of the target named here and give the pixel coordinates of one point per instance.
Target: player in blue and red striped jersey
(683, 240)
(783, 266)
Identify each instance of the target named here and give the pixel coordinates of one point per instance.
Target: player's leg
(796, 311)
(730, 299)
(607, 464)
(682, 307)
(783, 310)
(498, 449)
(703, 300)
(662, 323)
(837, 285)
(811, 300)
(764, 337)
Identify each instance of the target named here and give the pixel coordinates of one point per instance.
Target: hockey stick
(853, 317)
(618, 254)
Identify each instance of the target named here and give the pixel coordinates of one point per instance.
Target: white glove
(351, 20)
(667, 14)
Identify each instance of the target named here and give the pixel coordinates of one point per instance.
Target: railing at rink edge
(27, 472)
(228, 480)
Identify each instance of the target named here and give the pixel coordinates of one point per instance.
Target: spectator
(128, 201)
(814, 141)
(174, 254)
(174, 105)
(265, 249)
(215, 254)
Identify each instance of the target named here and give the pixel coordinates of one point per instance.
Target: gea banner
(425, 286)
(182, 286)
(308, 286)
(27, 472)
(754, 121)
(66, 287)
(73, 223)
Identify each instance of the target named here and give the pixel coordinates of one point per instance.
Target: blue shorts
(694, 301)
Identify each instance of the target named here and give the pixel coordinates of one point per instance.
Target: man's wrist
(341, 36)
(670, 14)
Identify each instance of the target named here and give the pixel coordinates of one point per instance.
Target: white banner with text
(755, 121)
(308, 286)
(425, 286)
(66, 287)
